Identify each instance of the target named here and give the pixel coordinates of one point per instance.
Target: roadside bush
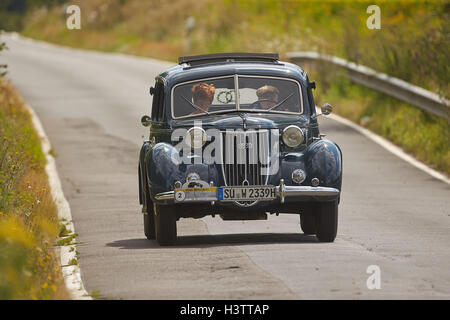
(416, 131)
(29, 226)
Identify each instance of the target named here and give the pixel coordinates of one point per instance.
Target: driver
(267, 96)
(202, 95)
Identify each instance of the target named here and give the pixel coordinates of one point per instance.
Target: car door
(157, 114)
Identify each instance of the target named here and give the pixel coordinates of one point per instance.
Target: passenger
(203, 96)
(267, 96)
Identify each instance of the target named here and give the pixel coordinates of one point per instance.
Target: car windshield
(218, 95)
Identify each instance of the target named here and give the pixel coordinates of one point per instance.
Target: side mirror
(326, 109)
(152, 91)
(146, 120)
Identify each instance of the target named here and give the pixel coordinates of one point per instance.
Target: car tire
(327, 221)
(149, 226)
(149, 217)
(165, 225)
(308, 223)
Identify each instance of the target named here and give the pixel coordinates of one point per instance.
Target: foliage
(416, 131)
(12, 12)
(29, 268)
(3, 66)
(412, 45)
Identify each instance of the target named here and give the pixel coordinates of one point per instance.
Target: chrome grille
(242, 154)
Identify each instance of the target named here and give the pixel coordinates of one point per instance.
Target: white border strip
(389, 146)
(71, 273)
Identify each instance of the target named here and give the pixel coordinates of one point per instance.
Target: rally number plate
(195, 194)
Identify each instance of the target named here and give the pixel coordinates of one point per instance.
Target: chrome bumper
(282, 191)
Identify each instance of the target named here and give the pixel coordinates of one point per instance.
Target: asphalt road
(391, 215)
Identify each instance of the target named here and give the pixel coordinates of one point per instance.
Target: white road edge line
(71, 273)
(389, 146)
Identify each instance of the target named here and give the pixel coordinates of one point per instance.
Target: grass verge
(418, 133)
(29, 226)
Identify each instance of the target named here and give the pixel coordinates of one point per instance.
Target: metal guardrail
(394, 87)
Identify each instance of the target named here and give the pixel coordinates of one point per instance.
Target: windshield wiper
(194, 106)
(228, 111)
(241, 111)
(280, 103)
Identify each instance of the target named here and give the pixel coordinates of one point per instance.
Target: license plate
(246, 193)
(195, 194)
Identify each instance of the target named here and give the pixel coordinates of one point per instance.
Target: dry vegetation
(29, 267)
(413, 44)
(419, 133)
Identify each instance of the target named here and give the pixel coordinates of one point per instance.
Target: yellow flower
(53, 287)
(45, 285)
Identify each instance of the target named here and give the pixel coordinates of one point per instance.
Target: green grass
(67, 240)
(63, 232)
(29, 268)
(423, 135)
(95, 294)
(73, 262)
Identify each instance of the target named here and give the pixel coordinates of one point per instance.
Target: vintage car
(236, 135)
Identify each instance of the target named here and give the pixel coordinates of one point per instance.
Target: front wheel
(327, 221)
(149, 226)
(149, 216)
(165, 225)
(308, 223)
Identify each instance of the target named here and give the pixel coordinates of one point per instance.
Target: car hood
(243, 120)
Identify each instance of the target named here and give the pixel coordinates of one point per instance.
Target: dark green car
(236, 135)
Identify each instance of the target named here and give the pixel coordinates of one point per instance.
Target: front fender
(323, 160)
(141, 171)
(163, 171)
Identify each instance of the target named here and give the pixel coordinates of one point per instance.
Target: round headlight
(292, 136)
(196, 137)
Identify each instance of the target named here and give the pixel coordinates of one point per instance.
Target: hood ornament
(244, 120)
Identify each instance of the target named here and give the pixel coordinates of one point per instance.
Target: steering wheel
(255, 104)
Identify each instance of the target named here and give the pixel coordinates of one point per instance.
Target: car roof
(186, 71)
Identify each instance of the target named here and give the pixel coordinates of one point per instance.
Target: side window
(158, 102)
